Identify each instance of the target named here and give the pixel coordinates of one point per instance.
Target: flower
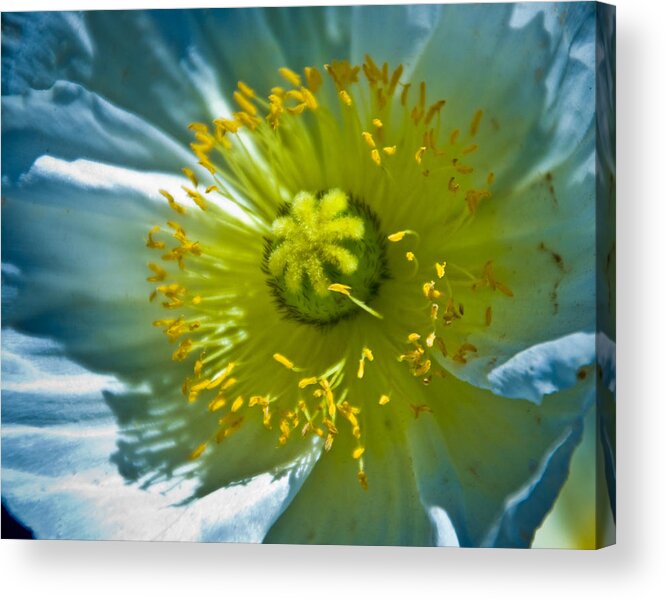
(367, 274)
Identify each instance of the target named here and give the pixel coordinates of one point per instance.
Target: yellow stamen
(383, 400)
(245, 89)
(160, 273)
(419, 154)
(440, 269)
(314, 79)
(340, 288)
(361, 368)
(377, 123)
(390, 150)
(244, 104)
(172, 203)
(283, 361)
(198, 451)
(369, 140)
(306, 382)
(344, 95)
(357, 452)
(292, 77)
(237, 404)
(376, 157)
(410, 256)
(189, 173)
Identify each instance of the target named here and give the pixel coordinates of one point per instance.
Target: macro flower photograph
(310, 275)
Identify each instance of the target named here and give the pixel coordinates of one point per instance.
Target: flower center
(322, 244)
(294, 184)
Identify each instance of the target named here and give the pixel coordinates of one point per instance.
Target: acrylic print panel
(310, 275)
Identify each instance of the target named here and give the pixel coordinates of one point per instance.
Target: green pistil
(319, 241)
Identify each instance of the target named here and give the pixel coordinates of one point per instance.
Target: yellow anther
(309, 99)
(217, 403)
(299, 109)
(160, 273)
(377, 123)
(330, 399)
(189, 173)
(429, 341)
(369, 140)
(283, 361)
(228, 384)
(440, 269)
(247, 119)
(395, 237)
(453, 185)
(429, 291)
(198, 451)
(314, 79)
(340, 288)
(488, 316)
(383, 400)
(244, 104)
(361, 367)
(362, 479)
(201, 385)
(198, 127)
(390, 150)
(367, 353)
(344, 96)
(419, 154)
(376, 157)
(475, 122)
(172, 203)
(245, 89)
(357, 452)
(453, 137)
(470, 148)
(292, 77)
(413, 337)
(183, 350)
(237, 403)
(222, 376)
(196, 300)
(296, 95)
(434, 311)
(306, 382)
(151, 243)
(410, 256)
(229, 125)
(199, 200)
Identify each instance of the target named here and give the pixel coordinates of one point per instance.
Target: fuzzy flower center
(319, 248)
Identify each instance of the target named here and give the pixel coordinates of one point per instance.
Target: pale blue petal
(494, 465)
(68, 122)
(57, 436)
(544, 369)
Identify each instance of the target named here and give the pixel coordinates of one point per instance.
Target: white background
(634, 568)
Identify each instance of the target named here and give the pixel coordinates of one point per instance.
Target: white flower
(361, 255)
